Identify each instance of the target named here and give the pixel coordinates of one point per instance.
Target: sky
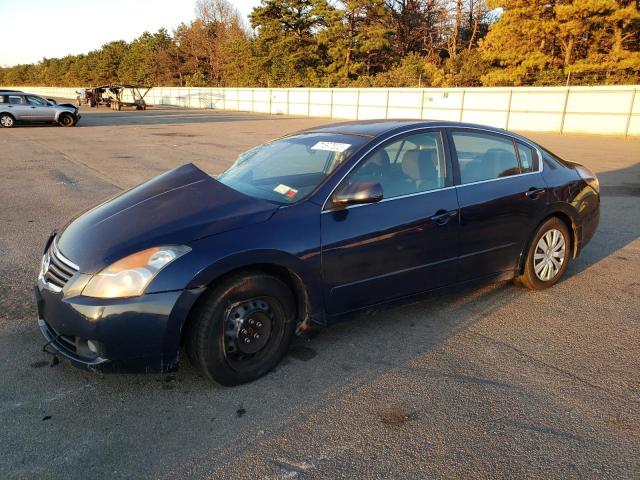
(55, 28)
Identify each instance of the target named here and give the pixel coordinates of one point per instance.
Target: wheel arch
(61, 112)
(570, 222)
(286, 274)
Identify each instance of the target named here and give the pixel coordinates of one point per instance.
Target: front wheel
(66, 120)
(548, 255)
(242, 328)
(6, 120)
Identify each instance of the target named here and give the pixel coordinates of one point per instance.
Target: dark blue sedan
(301, 232)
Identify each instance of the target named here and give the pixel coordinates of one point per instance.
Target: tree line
(368, 43)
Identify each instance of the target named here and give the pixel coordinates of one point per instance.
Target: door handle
(534, 193)
(442, 217)
(33, 107)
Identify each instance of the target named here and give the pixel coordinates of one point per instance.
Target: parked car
(304, 231)
(20, 107)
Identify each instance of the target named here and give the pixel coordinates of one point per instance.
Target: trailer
(118, 96)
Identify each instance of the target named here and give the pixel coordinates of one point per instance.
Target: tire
(66, 120)
(242, 328)
(550, 264)
(7, 120)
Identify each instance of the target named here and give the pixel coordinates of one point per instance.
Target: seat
(420, 167)
(375, 168)
(498, 163)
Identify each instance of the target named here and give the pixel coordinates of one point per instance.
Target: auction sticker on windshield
(286, 190)
(331, 146)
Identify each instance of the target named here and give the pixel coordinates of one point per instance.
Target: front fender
(210, 273)
(60, 112)
(290, 239)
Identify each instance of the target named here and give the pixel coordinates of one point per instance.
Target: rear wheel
(7, 120)
(242, 328)
(548, 255)
(66, 120)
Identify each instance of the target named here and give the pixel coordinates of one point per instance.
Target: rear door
(502, 199)
(40, 110)
(16, 104)
(405, 244)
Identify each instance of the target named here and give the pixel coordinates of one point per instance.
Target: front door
(40, 110)
(502, 196)
(405, 244)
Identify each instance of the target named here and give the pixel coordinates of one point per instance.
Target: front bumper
(62, 346)
(139, 334)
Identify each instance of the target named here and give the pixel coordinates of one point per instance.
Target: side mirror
(357, 194)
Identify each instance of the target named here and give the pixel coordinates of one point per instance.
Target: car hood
(67, 106)
(177, 207)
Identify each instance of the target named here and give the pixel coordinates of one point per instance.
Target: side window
(3, 99)
(484, 156)
(412, 164)
(36, 100)
(527, 158)
(16, 99)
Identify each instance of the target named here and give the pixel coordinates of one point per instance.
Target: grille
(56, 268)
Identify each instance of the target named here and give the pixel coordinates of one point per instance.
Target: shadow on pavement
(619, 217)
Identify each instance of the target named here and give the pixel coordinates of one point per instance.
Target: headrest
(419, 164)
(499, 161)
(380, 158)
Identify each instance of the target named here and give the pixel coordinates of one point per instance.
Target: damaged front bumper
(63, 346)
(129, 335)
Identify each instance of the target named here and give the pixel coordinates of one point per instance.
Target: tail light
(589, 177)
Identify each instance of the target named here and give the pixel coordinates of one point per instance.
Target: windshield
(287, 170)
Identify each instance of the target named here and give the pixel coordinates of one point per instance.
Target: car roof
(375, 128)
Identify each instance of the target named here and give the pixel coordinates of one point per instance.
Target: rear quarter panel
(570, 194)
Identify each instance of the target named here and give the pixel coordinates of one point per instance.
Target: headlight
(130, 276)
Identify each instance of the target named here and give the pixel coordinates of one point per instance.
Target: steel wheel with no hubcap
(549, 255)
(248, 327)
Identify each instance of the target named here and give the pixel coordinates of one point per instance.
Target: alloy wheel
(6, 121)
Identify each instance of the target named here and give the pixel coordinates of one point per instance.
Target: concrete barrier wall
(613, 110)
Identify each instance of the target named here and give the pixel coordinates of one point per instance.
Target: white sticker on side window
(331, 146)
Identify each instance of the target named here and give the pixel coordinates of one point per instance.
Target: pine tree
(287, 51)
(541, 41)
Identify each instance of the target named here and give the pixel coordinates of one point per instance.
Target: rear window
(528, 158)
(484, 156)
(15, 99)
